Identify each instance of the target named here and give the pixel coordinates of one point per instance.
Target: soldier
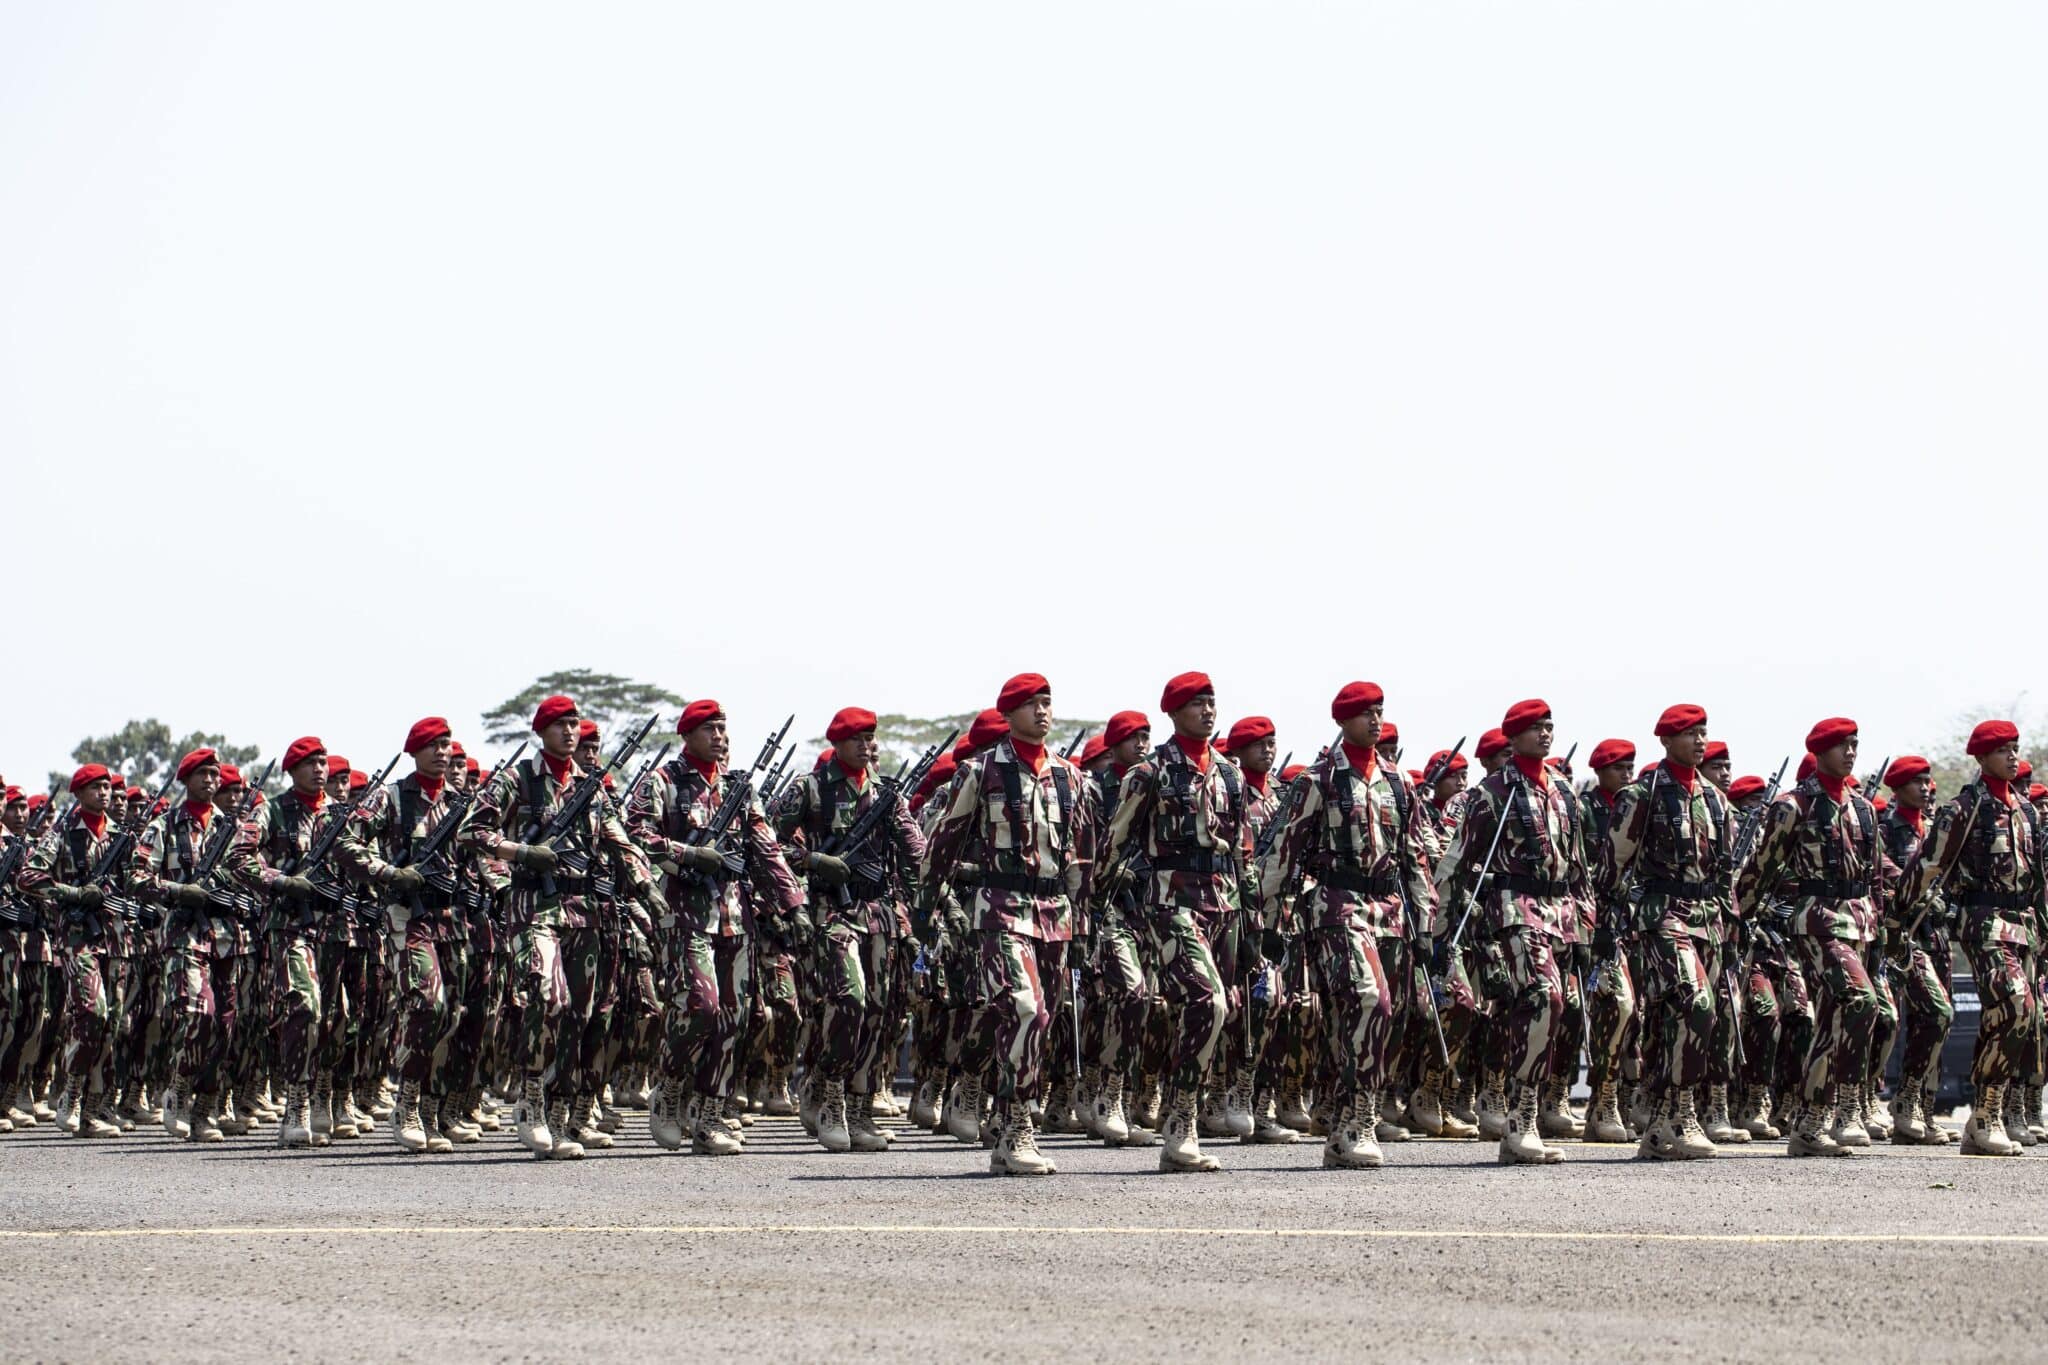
(1674, 832)
(854, 898)
(1273, 1003)
(20, 975)
(552, 882)
(1526, 911)
(1717, 767)
(1611, 1005)
(1121, 996)
(1820, 851)
(709, 963)
(1389, 746)
(1185, 815)
(1921, 961)
(1984, 852)
(1015, 815)
(1359, 831)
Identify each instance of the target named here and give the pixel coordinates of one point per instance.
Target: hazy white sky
(359, 362)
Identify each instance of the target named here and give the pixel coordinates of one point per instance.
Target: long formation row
(1150, 944)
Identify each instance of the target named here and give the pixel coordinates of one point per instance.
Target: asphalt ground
(141, 1247)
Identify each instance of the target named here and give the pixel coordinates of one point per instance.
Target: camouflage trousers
(1530, 998)
(777, 1017)
(337, 962)
(17, 978)
(253, 1041)
(1289, 1029)
(1191, 985)
(87, 1032)
(2008, 1031)
(539, 991)
(1411, 1046)
(1731, 994)
(710, 990)
(1463, 1008)
(1844, 1012)
(134, 1023)
(1769, 1012)
(1022, 981)
(590, 963)
(854, 986)
(295, 1004)
(1884, 1029)
(1358, 1005)
(424, 1013)
(1610, 1007)
(201, 1002)
(1679, 1005)
(1117, 998)
(367, 1053)
(1922, 985)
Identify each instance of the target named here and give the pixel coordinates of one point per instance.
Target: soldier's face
(1613, 777)
(1196, 720)
(432, 761)
(1257, 756)
(308, 774)
(1130, 750)
(558, 737)
(1362, 731)
(1839, 761)
(1720, 772)
(858, 752)
(337, 786)
(2002, 763)
(1390, 750)
(1912, 795)
(1688, 747)
(1535, 741)
(15, 817)
(95, 795)
(707, 743)
(137, 800)
(203, 783)
(588, 753)
(1032, 721)
(225, 798)
(1451, 783)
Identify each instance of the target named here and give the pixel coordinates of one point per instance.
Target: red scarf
(1032, 754)
(1915, 817)
(318, 799)
(1197, 751)
(558, 768)
(199, 812)
(1257, 781)
(707, 771)
(430, 787)
(1366, 761)
(857, 776)
(94, 821)
(1999, 788)
(1833, 786)
(1606, 796)
(1535, 769)
(1688, 778)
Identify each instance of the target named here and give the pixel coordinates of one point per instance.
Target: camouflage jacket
(1902, 840)
(168, 853)
(1365, 841)
(31, 940)
(67, 856)
(676, 800)
(1678, 844)
(1030, 836)
(1539, 872)
(389, 826)
(514, 807)
(1820, 861)
(276, 836)
(819, 806)
(1191, 826)
(1985, 856)
(1598, 809)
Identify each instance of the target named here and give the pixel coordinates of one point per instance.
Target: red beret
(1742, 788)
(357, 780)
(38, 801)
(552, 710)
(1092, 750)
(1122, 726)
(585, 729)
(988, 727)
(962, 751)
(1183, 688)
(1490, 743)
(1826, 734)
(336, 764)
(163, 804)
(824, 757)
(2036, 792)
(1609, 751)
(472, 766)
(10, 796)
(937, 777)
(194, 761)
(455, 749)
(1354, 698)
(424, 732)
(1221, 744)
(2023, 772)
(1676, 720)
(1646, 770)
(1021, 689)
(1292, 771)
(230, 776)
(1415, 774)
(1524, 714)
(1449, 762)
(1991, 734)
(302, 749)
(696, 713)
(89, 774)
(1904, 769)
(850, 721)
(1252, 729)
(1808, 766)
(1390, 733)
(1717, 751)
(118, 780)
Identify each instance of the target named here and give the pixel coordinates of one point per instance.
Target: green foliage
(145, 752)
(603, 697)
(1953, 767)
(903, 739)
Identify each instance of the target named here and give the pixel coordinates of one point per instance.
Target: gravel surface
(363, 1251)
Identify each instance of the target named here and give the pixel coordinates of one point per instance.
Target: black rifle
(115, 854)
(576, 803)
(17, 910)
(777, 777)
(871, 871)
(1752, 819)
(222, 839)
(1073, 745)
(430, 855)
(330, 834)
(737, 791)
(1434, 773)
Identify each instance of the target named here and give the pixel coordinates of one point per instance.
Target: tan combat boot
(779, 1104)
(1692, 1140)
(1106, 1112)
(1384, 1129)
(91, 1120)
(1810, 1135)
(867, 1135)
(1059, 1109)
(583, 1125)
(322, 1110)
(1984, 1134)
(1181, 1141)
(2016, 1116)
(1554, 1115)
(1755, 1118)
(1144, 1102)
(1350, 1145)
(1016, 1150)
(1211, 1122)
(808, 1099)
(1603, 1116)
(1291, 1110)
(237, 1122)
(1909, 1125)
(2037, 1124)
(1237, 1104)
(177, 1103)
(68, 1101)
(295, 1125)
(882, 1102)
(1876, 1121)
(1847, 1125)
(964, 1105)
(924, 1103)
(1267, 1129)
(432, 1106)
(665, 1116)
(1493, 1108)
(1522, 1144)
(1718, 1124)
(1426, 1105)
(1642, 1108)
(203, 1126)
(448, 1110)
(833, 1133)
(408, 1130)
(530, 1117)
(708, 1135)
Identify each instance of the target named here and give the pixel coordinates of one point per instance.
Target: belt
(1532, 886)
(1201, 860)
(1351, 879)
(1827, 889)
(1671, 886)
(1996, 900)
(1022, 884)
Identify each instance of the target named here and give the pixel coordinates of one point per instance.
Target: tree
(603, 697)
(144, 752)
(1950, 762)
(903, 739)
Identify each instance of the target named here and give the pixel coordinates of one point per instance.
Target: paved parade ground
(152, 1250)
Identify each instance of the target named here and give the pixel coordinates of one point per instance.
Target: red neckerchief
(1915, 817)
(707, 771)
(1535, 769)
(558, 768)
(857, 778)
(1999, 788)
(199, 813)
(314, 805)
(1366, 761)
(1257, 781)
(1688, 778)
(430, 787)
(1197, 751)
(1606, 796)
(1835, 787)
(1029, 753)
(94, 821)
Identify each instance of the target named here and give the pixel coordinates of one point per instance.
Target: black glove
(827, 870)
(532, 857)
(1273, 944)
(1603, 942)
(405, 881)
(296, 888)
(191, 896)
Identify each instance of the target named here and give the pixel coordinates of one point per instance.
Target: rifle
(777, 777)
(223, 839)
(1270, 835)
(1486, 868)
(307, 865)
(1073, 745)
(118, 847)
(737, 790)
(1877, 862)
(1430, 778)
(1566, 762)
(871, 872)
(16, 910)
(640, 778)
(1752, 819)
(578, 801)
(1434, 773)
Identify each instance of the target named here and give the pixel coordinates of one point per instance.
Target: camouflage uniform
(1118, 999)
(1821, 858)
(1363, 837)
(1611, 1008)
(1028, 834)
(63, 862)
(1922, 966)
(198, 1001)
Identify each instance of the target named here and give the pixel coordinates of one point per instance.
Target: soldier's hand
(703, 858)
(1604, 942)
(532, 857)
(827, 870)
(191, 896)
(1439, 958)
(803, 930)
(296, 888)
(91, 898)
(405, 880)
(1273, 944)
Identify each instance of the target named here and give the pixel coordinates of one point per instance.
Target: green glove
(700, 858)
(405, 880)
(827, 870)
(190, 896)
(532, 857)
(295, 888)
